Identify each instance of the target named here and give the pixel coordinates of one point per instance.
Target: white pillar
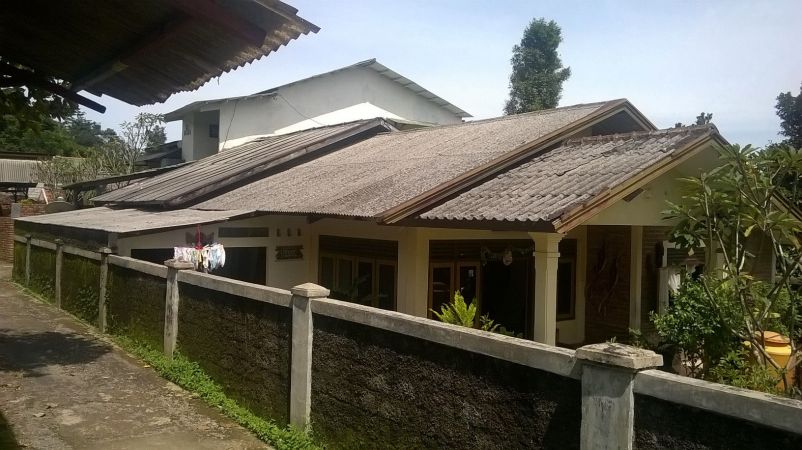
(413, 273)
(301, 353)
(635, 276)
(547, 257)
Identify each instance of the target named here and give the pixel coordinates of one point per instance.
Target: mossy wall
(242, 343)
(43, 272)
(373, 388)
(18, 271)
(664, 425)
(136, 305)
(80, 283)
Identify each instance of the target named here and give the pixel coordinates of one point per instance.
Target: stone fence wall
(367, 378)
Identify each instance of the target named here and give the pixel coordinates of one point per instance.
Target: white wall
(354, 94)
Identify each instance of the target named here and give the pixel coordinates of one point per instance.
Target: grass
(191, 377)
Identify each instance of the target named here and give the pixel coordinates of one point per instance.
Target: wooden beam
(122, 57)
(209, 11)
(19, 77)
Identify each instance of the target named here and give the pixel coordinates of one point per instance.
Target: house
(360, 91)
(551, 220)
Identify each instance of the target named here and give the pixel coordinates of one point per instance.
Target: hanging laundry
(204, 259)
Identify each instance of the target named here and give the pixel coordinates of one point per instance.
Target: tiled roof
(567, 177)
(372, 176)
(219, 171)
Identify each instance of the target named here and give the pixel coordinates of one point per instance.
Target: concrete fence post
(608, 400)
(171, 304)
(301, 353)
(59, 262)
(101, 292)
(28, 239)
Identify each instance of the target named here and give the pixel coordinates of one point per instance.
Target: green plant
(190, 376)
(738, 368)
(736, 212)
(464, 314)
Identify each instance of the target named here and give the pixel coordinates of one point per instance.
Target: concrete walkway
(64, 387)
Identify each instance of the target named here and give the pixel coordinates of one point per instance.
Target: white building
(361, 91)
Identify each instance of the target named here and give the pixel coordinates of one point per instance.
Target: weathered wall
(6, 239)
(80, 284)
(18, 271)
(378, 389)
(43, 272)
(607, 285)
(663, 425)
(136, 305)
(242, 343)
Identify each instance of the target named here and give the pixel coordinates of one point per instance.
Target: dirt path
(64, 387)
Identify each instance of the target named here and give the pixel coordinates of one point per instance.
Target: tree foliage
(146, 130)
(727, 210)
(537, 71)
(702, 119)
(789, 109)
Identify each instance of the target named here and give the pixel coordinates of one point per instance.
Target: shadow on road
(7, 439)
(28, 352)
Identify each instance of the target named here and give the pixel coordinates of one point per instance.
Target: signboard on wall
(289, 252)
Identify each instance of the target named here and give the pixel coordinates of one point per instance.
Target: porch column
(413, 273)
(635, 276)
(547, 256)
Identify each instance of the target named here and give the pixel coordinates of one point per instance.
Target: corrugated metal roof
(372, 176)
(143, 51)
(233, 165)
(370, 64)
(127, 221)
(567, 177)
(18, 171)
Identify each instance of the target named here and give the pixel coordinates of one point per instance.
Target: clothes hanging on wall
(205, 259)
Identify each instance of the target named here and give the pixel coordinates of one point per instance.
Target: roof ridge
(509, 117)
(636, 134)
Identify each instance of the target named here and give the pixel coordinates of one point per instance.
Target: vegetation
(191, 377)
(789, 108)
(729, 212)
(537, 71)
(457, 312)
(702, 119)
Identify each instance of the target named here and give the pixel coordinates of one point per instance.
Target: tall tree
(537, 72)
(789, 108)
(146, 130)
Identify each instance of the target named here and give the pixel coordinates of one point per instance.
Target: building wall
(355, 94)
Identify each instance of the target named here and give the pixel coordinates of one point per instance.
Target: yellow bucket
(779, 348)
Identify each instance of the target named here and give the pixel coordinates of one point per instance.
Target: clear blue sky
(671, 59)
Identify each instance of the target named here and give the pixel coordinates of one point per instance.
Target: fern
(464, 314)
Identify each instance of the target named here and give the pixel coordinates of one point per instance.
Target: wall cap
(179, 265)
(310, 290)
(619, 355)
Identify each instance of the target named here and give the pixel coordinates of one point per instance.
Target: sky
(671, 59)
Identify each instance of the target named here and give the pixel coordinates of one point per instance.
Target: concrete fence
(367, 378)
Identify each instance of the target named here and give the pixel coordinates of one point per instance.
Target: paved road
(64, 387)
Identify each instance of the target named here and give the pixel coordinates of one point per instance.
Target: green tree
(702, 119)
(146, 130)
(789, 108)
(87, 133)
(537, 71)
(722, 211)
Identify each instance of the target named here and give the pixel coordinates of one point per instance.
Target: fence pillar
(301, 353)
(171, 305)
(101, 292)
(608, 401)
(59, 262)
(28, 239)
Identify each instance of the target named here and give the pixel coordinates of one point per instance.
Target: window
(566, 289)
(367, 281)
(214, 130)
(440, 290)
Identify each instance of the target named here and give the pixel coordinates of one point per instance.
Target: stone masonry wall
(663, 425)
(43, 272)
(607, 286)
(80, 285)
(136, 305)
(18, 270)
(373, 388)
(243, 344)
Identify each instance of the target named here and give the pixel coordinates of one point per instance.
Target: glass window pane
(565, 289)
(386, 286)
(441, 287)
(326, 275)
(345, 279)
(364, 282)
(467, 282)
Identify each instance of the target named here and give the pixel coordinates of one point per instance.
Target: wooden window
(366, 281)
